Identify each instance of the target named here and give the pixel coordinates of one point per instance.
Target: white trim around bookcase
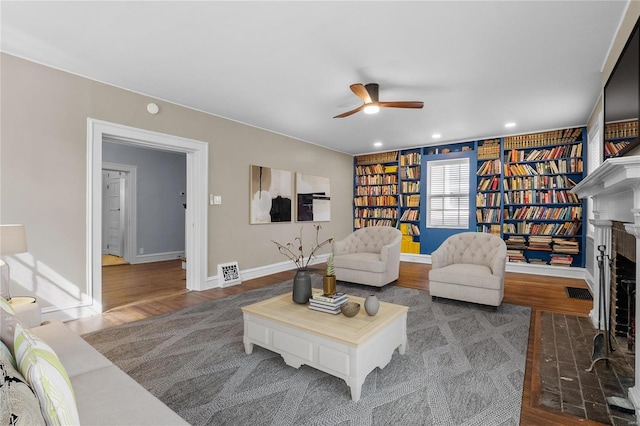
(548, 270)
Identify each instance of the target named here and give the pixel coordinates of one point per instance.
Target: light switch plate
(217, 199)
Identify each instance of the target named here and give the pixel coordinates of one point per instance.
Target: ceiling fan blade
(348, 113)
(361, 92)
(402, 104)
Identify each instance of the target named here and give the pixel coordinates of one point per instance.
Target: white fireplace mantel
(609, 185)
(615, 189)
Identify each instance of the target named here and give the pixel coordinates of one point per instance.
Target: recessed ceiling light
(436, 135)
(511, 124)
(377, 144)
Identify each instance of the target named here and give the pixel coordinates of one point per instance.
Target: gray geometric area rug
(464, 365)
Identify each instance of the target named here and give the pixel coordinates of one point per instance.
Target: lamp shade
(13, 239)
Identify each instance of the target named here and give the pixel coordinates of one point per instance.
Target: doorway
(119, 200)
(196, 196)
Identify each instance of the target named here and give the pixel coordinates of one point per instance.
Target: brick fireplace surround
(615, 188)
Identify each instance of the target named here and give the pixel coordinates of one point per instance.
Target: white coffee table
(347, 348)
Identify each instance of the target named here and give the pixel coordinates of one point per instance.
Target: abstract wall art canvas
(313, 198)
(271, 193)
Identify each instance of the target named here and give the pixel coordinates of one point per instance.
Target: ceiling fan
(369, 95)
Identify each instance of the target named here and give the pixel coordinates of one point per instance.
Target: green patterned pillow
(41, 367)
(18, 402)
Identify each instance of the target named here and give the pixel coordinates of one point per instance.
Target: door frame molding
(197, 153)
(130, 202)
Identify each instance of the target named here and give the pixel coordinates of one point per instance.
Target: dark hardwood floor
(132, 292)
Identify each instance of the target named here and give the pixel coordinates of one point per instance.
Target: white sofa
(369, 256)
(105, 395)
(470, 267)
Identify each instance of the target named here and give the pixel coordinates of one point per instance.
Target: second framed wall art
(313, 198)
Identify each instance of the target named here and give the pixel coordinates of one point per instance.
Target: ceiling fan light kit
(371, 109)
(371, 104)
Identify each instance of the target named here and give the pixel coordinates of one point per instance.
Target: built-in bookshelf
(542, 220)
(376, 190)
(522, 194)
(489, 187)
(410, 162)
(619, 137)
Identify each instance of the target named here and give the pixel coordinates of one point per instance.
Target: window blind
(448, 193)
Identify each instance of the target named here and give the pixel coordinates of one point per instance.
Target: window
(448, 193)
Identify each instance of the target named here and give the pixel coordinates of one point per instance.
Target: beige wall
(43, 163)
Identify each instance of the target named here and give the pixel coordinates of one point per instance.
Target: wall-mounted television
(622, 101)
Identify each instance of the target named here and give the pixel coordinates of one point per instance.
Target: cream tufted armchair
(369, 256)
(469, 266)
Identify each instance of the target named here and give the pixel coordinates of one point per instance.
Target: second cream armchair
(470, 267)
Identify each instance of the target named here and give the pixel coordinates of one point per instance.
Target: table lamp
(13, 240)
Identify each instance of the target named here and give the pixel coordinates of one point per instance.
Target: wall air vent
(229, 274)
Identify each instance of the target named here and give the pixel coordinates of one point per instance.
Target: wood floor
(132, 292)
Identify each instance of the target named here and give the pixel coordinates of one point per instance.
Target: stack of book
(516, 242)
(516, 256)
(540, 242)
(328, 304)
(561, 260)
(565, 246)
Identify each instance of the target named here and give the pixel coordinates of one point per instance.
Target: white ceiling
(287, 66)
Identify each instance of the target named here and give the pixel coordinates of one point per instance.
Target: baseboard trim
(69, 314)
(158, 257)
(260, 271)
(415, 258)
(547, 270)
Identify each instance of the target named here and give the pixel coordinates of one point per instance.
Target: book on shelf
(540, 242)
(561, 260)
(410, 172)
(489, 149)
(515, 256)
(490, 167)
(565, 246)
(553, 137)
(409, 229)
(411, 214)
(410, 159)
(516, 242)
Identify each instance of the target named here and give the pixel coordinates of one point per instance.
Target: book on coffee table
(337, 298)
(326, 309)
(332, 305)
